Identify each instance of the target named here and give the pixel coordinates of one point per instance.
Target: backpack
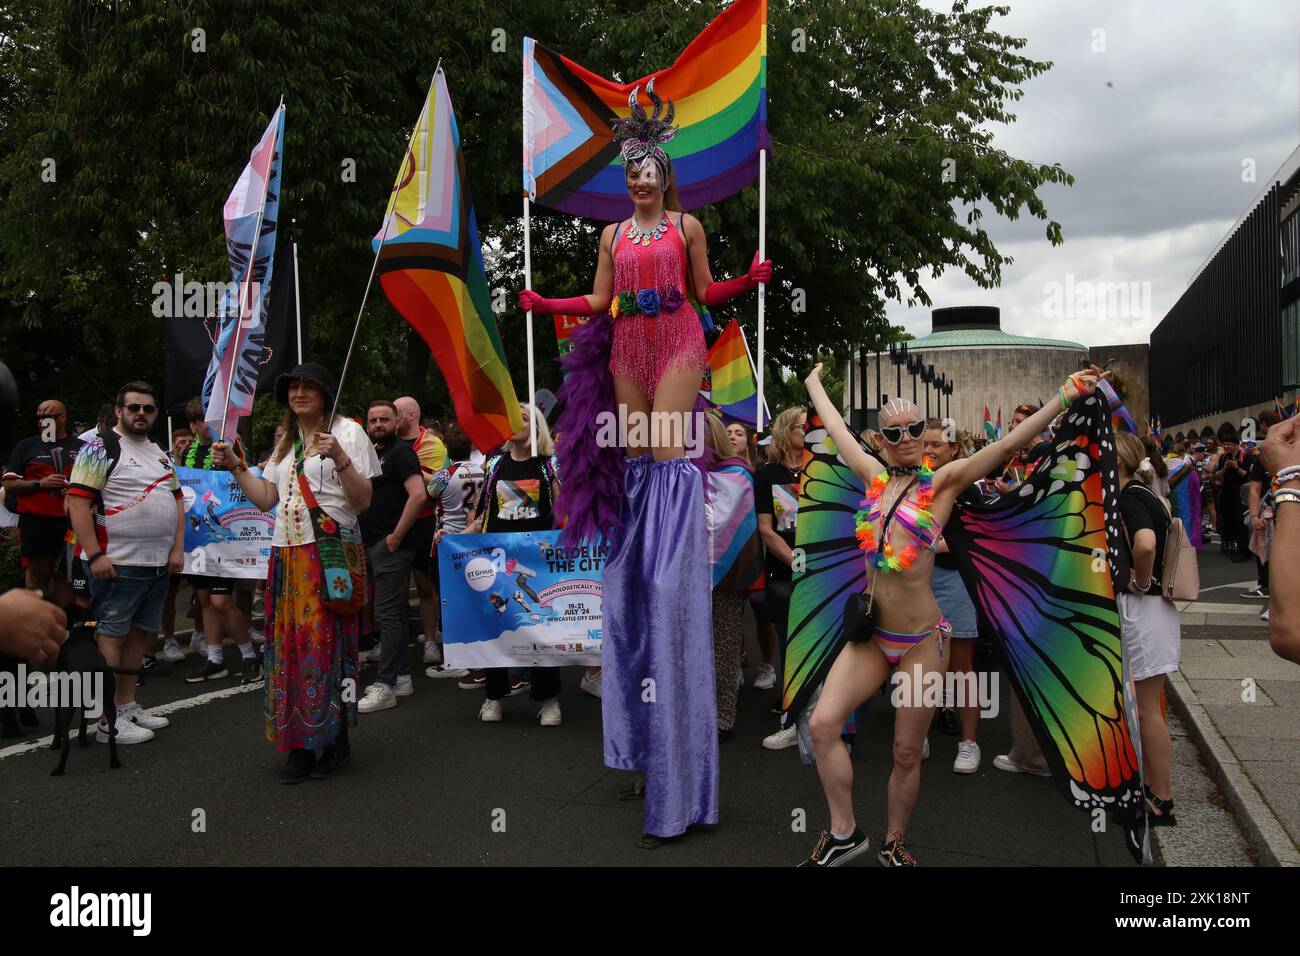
(1180, 576)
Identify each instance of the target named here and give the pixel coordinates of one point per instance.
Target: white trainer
(369, 657)
(138, 715)
(438, 670)
(172, 652)
(432, 652)
(404, 687)
(1263, 615)
(490, 712)
(968, 757)
(126, 731)
(782, 738)
(199, 644)
(378, 697)
(550, 712)
(765, 679)
(590, 683)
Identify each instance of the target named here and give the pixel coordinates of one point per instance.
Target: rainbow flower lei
(884, 558)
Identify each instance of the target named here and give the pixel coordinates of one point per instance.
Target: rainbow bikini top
(912, 514)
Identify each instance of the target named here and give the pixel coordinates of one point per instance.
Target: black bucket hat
(311, 373)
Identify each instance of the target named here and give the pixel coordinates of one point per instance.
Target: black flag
(189, 339)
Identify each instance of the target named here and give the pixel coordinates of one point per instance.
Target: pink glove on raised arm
(720, 292)
(578, 305)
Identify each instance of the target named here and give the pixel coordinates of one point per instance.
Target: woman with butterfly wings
(898, 528)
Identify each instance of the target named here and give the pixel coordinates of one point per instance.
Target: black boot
(27, 717)
(298, 767)
(336, 756)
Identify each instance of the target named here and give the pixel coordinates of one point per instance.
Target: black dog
(80, 655)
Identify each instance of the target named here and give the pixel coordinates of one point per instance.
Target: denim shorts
(133, 599)
(955, 603)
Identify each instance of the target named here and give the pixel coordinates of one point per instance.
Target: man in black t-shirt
(395, 504)
(1259, 502)
(35, 483)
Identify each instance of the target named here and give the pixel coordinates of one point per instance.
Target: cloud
(1197, 89)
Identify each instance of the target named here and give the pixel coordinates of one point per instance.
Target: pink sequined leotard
(647, 347)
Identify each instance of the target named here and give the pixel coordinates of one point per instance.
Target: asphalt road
(430, 784)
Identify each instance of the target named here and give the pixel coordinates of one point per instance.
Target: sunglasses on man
(894, 433)
(135, 408)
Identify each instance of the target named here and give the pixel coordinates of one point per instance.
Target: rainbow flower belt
(646, 302)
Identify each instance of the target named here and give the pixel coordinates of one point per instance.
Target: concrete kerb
(1266, 835)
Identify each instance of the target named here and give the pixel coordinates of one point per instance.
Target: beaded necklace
(639, 235)
(883, 558)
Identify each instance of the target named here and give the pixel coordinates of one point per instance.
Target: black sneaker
(252, 670)
(1258, 591)
(334, 759)
(832, 852)
(206, 671)
(948, 722)
(894, 853)
(149, 664)
(299, 766)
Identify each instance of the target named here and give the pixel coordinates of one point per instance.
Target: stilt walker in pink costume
(641, 352)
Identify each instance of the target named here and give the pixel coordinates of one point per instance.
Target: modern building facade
(1231, 343)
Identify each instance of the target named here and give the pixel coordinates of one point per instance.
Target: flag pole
(248, 278)
(762, 286)
(528, 284)
(383, 231)
(297, 301)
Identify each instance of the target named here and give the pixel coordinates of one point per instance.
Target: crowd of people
(99, 525)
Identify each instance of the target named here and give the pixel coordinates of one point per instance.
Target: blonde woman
(519, 493)
(1148, 623)
(943, 443)
(776, 499)
(311, 651)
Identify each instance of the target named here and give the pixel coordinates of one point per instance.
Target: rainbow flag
(988, 426)
(733, 387)
(718, 85)
(431, 268)
(1284, 412)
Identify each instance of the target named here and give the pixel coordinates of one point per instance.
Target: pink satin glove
(720, 292)
(531, 301)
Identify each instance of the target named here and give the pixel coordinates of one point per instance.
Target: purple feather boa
(593, 476)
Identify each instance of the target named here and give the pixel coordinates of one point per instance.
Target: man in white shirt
(123, 501)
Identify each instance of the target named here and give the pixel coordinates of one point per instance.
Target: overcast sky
(1198, 87)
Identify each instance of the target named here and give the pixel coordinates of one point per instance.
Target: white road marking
(162, 710)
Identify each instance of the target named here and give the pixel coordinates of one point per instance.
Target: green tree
(881, 114)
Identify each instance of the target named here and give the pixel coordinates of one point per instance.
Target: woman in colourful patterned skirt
(311, 651)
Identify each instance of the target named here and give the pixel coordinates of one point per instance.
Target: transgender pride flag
(240, 343)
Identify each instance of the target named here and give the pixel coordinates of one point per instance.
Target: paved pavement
(430, 784)
(1240, 703)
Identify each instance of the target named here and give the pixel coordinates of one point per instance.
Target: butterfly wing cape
(1185, 498)
(1039, 565)
(832, 567)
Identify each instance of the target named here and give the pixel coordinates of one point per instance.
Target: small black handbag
(859, 609)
